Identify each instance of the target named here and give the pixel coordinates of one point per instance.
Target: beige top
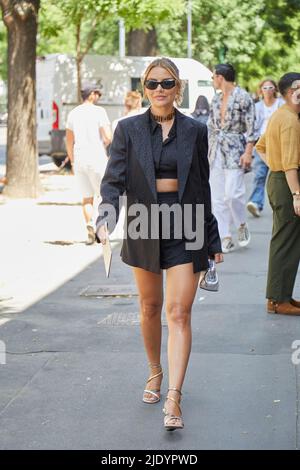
(281, 141)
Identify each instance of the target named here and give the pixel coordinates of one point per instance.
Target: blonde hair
(133, 100)
(169, 65)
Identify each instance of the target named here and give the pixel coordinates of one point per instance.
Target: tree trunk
(20, 18)
(142, 43)
(78, 70)
(79, 59)
(82, 50)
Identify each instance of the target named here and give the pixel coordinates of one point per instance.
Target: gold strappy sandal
(172, 422)
(155, 397)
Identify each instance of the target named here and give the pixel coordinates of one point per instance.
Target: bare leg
(88, 211)
(87, 207)
(150, 289)
(181, 288)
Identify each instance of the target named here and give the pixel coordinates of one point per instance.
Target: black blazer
(130, 170)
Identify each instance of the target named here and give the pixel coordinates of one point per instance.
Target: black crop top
(164, 152)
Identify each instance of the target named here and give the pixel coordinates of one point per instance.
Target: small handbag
(209, 279)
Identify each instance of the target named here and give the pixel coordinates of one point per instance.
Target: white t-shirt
(268, 111)
(134, 112)
(85, 121)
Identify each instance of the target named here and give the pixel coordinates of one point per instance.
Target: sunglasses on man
(166, 84)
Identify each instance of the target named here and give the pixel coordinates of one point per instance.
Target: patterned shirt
(237, 130)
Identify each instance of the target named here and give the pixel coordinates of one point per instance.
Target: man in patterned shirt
(231, 141)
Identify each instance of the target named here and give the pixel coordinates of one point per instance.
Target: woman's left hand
(219, 258)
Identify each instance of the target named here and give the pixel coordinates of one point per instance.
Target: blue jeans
(260, 176)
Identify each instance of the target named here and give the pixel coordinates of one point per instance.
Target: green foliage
(76, 10)
(227, 33)
(56, 14)
(3, 50)
(223, 31)
(53, 36)
(148, 13)
(277, 44)
(260, 38)
(107, 39)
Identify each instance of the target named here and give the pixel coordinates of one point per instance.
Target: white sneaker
(253, 209)
(244, 236)
(227, 245)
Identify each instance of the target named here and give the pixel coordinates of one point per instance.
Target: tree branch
(78, 39)
(90, 38)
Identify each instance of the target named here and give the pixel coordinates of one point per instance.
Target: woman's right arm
(113, 183)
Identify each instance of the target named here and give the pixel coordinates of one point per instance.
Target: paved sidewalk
(75, 365)
(43, 241)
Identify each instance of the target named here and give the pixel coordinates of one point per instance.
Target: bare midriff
(165, 185)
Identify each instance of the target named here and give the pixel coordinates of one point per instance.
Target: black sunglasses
(166, 84)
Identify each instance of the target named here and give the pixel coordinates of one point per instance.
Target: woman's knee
(150, 308)
(179, 314)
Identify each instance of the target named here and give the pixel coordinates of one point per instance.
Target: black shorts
(172, 250)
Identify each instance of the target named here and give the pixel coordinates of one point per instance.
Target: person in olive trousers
(280, 149)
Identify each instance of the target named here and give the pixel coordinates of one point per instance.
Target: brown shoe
(282, 308)
(296, 303)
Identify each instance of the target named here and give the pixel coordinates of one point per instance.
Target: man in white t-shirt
(88, 133)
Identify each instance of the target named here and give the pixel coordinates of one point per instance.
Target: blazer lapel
(186, 138)
(141, 138)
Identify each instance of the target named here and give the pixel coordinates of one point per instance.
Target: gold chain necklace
(169, 117)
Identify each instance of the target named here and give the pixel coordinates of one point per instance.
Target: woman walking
(201, 111)
(159, 159)
(132, 106)
(263, 111)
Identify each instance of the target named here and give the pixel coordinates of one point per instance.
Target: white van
(57, 87)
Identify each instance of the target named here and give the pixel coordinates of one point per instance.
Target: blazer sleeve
(213, 237)
(113, 184)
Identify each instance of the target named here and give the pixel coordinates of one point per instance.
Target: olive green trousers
(284, 255)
